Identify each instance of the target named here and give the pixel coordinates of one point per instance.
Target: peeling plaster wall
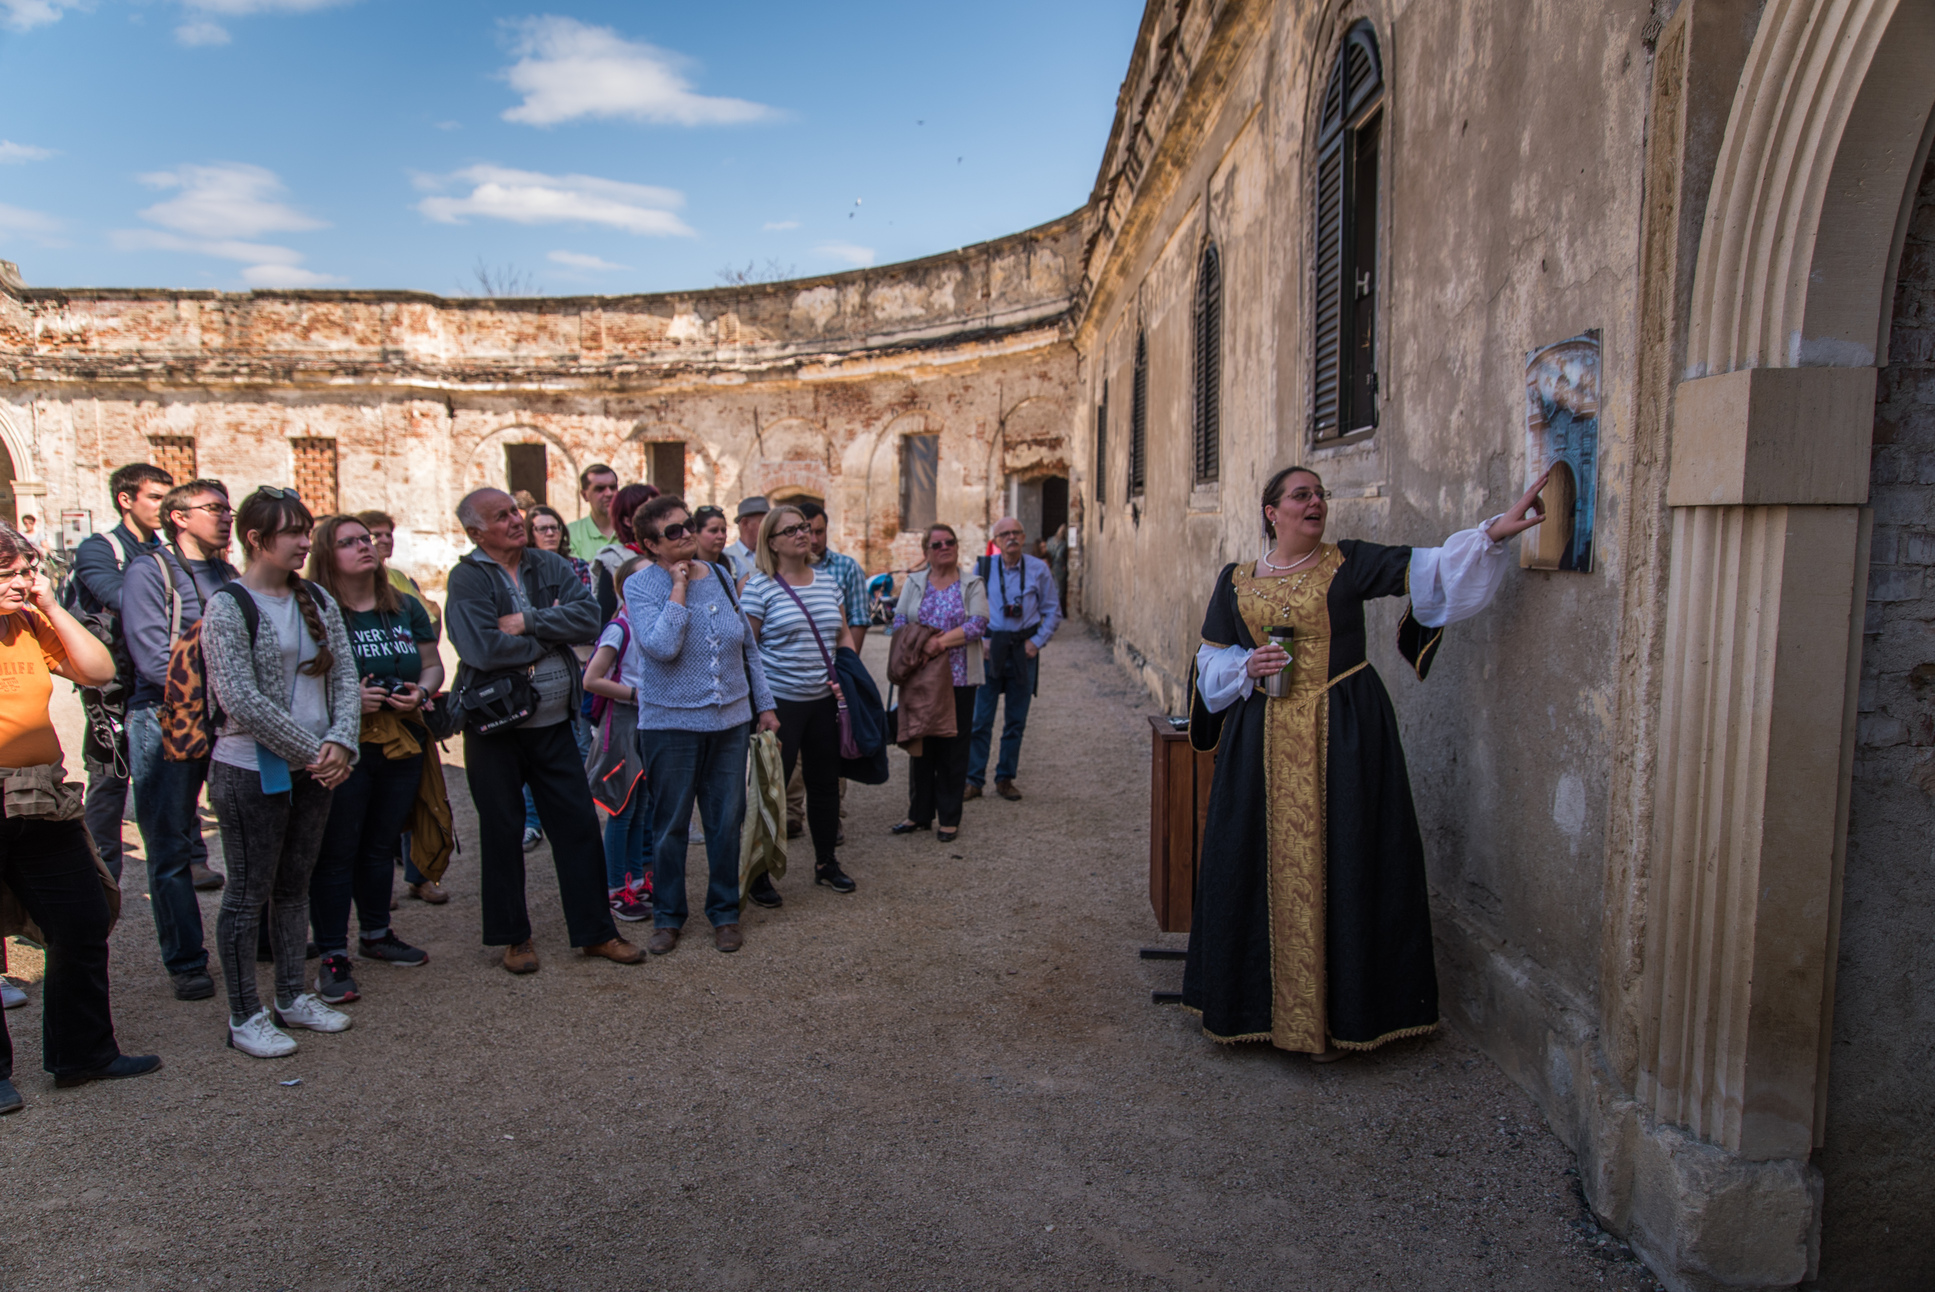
(800, 387)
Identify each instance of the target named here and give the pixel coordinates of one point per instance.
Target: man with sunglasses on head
(1024, 611)
(162, 596)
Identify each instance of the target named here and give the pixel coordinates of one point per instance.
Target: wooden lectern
(1178, 802)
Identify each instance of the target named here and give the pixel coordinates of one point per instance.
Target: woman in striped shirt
(796, 652)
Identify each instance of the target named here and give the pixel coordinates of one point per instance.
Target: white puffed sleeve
(1455, 581)
(1220, 675)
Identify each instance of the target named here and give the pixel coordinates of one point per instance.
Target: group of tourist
(621, 662)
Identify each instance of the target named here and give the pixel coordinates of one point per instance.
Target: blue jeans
(1018, 688)
(627, 837)
(708, 767)
(165, 795)
(366, 814)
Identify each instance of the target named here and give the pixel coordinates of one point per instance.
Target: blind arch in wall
(1206, 440)
(1139, 418)
(1344, 264)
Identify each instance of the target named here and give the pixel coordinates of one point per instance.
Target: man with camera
(1024, 613)
(514, 613)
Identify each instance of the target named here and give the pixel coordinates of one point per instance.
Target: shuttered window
(1344, 324)
(1139, 418)
(1209, 366)
(1102, 446)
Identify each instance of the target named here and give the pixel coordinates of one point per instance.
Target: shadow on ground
(953, 1078)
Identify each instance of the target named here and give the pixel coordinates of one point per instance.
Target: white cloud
(285, 276)
(858, 257)
(195, 34)
(527, 197)
(225, 200)
(219, 210)
(25, 15)
(567, 69)
(578, 260)
(20, 222)
(13, 152)
(772, 226)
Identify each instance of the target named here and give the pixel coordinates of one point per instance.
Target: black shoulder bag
(490, 702)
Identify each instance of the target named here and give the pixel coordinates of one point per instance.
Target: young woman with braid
(292, 712)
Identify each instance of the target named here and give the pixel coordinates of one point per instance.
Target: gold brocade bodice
(1301, 600)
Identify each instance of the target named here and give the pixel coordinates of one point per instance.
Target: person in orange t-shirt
(49, 865)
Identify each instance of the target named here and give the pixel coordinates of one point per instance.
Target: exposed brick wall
(1880, 1138)
(315, 474)
(174, 454)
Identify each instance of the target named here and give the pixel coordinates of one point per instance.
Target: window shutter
(1344, 243)
(1139, 417)
(1209, 365)
(1102, 446)
(1329, 318)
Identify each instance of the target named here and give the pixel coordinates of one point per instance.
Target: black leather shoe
(908, 827)
(193, 985)
(833, 877)
(128, 1065)
(763, 893)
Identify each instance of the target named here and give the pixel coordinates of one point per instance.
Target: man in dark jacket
(164, 592)
(94, 589)
(517, 608)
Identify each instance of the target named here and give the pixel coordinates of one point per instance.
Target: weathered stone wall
(1880, 1139)
(804, 387)
(1513, 158)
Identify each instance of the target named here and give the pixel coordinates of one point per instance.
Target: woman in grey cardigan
(283, 680)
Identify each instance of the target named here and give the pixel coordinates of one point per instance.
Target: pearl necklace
(1285, 569)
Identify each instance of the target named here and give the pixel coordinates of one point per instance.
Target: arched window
(1209, 365)
(1139, 418)
(1344, 395)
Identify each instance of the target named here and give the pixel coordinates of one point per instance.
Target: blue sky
(585, 148)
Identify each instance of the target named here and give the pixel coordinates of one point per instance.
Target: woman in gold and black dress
(1312, 929)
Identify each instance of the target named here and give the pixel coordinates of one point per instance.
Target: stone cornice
(1184, 74)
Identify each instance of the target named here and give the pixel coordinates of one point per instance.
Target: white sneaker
(532, 838)
(259, 1037)
(11, 997)
(307, 1010)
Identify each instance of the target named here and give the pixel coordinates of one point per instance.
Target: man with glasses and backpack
(1025, 610)
(163, 595)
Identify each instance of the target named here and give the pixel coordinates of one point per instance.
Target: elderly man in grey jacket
(518, 608)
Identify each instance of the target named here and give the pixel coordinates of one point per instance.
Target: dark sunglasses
(944, 542)
(674, 532)
(270, 491)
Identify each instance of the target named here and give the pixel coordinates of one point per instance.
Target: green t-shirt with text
(385, 642)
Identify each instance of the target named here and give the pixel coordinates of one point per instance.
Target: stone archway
(480, 469)
(1740, 891)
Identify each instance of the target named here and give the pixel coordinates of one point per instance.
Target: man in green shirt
(597, 485)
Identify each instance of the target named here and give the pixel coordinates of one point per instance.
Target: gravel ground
(953, 1078)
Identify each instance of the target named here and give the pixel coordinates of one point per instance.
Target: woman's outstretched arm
(1459, 579)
